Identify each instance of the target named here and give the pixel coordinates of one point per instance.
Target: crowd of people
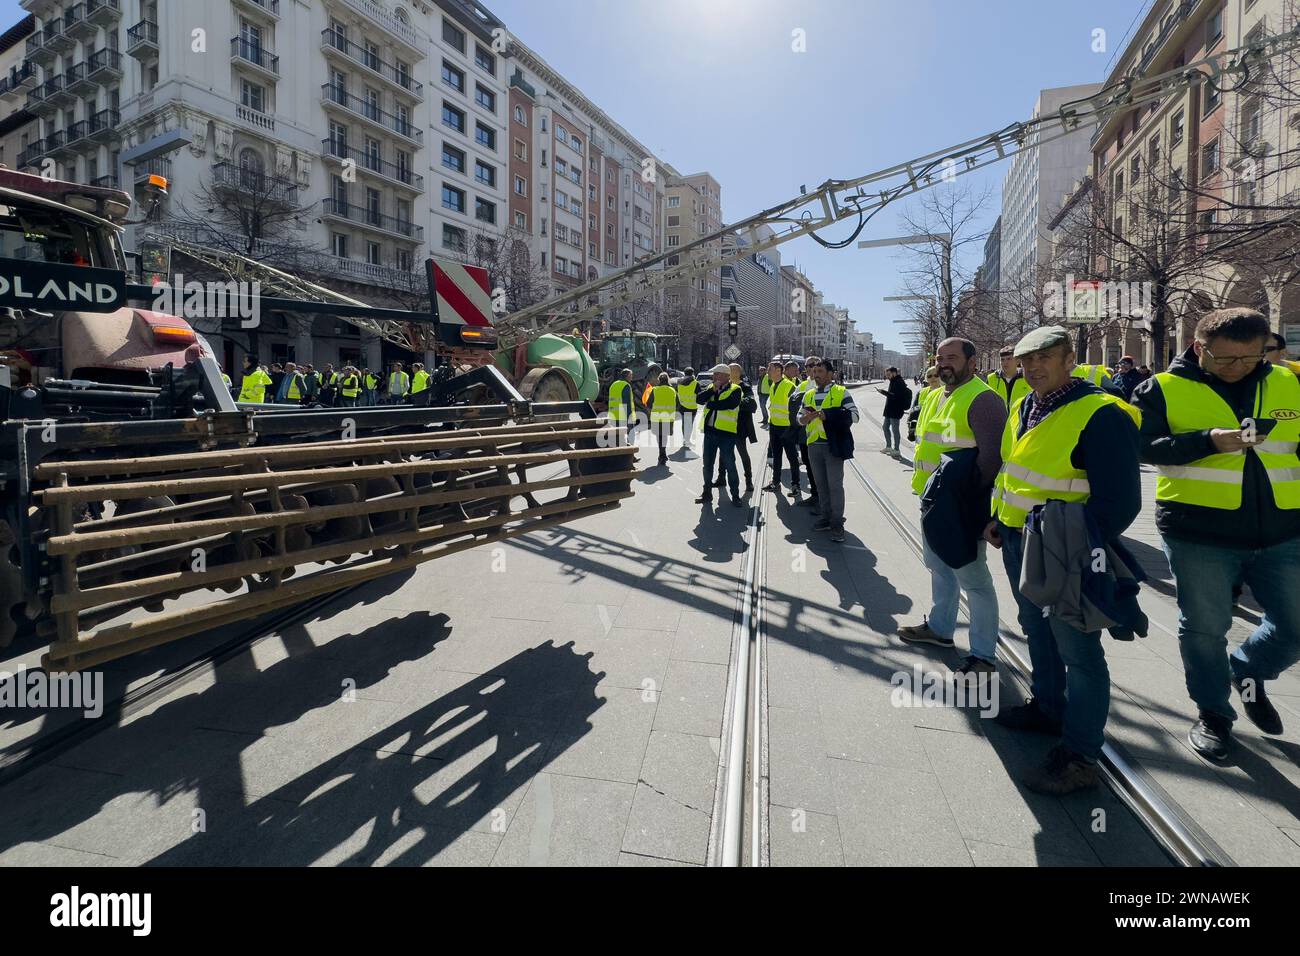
(347, 386)
(1042, 460)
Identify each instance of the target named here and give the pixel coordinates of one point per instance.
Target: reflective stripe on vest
(778, 404)
(1036, 466)
(834, 399)
(664, 408)
(617, 404)
(727, 420)
(1090, 373)
(686, 394)
(943, 426)
(1215, 481)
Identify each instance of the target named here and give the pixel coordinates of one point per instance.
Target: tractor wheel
(548, 385)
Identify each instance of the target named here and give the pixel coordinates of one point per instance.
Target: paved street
(561, 699)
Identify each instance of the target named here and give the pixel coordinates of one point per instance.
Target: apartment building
(752, 283)
(1229, 147)
(17, 125)
(692, 210)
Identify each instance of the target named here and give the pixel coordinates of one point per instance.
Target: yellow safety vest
(372, 382)
(351, 387)
(420, 381)
(1036, 466)
(778, 405)
(765, 385)
(225, 380)
(1215, 480)
(400, 380)
(664, 408)
(293, 391)
(1019, 388)
(253, 387)
(618, 410)
(686, 395)
(727, 420)
(1090, 373)
(834, 398)
(943, 426)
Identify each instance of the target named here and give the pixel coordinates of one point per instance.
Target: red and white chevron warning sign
(462, 293)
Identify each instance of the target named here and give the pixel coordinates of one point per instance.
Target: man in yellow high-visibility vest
(399, 383)
(1222, 427)
(687, 386)
(252, 388)
(782, 433)
(1009, 383)
(663, 413)
(1277, 352)
(827, 416)
(1069, 441)
(720, 404)
(349, 387)
(419, 378)
(1096, 374)
(962, 417)
(620, 407)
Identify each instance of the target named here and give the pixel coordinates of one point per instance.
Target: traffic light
(733, 323)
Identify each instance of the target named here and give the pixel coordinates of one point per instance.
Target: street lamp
(945, 274)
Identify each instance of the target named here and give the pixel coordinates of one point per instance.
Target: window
(1210, 159)
(453, 238)
(674, 220)
(404, 73)
(1213, 97)
(609, 257)
(371, 57)
(521, 220)
(609, 229)
(521, 186)
(1153, 151)
(591, 249)
(591, 223)
(562, 168)
(453, 77)
(453, 198)
(485, 211)
(521, 150)
(405, 260)
(674, 202)
(484, 60)
(1207, 219)
(1250, 122)
(453, 158)
(520, 116)
(339, 193)
(374, 253)
(453, 37)
(252, 96)
(561, 134)
(561, 265)
(561, 232)
(561, 199)
(575, 143)
(1214, 28)
(673, 241)
(453, 118)
(1134, 169)
(485, 136)
(1176, 129)
(609, 203)
(485, 98)
(1118, 188)
(339, 244)
(485, 173)
(576, 206)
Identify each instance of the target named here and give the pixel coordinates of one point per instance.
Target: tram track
(1185, 842)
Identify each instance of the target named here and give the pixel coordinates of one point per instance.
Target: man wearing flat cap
(719, 411)
(1067, 440)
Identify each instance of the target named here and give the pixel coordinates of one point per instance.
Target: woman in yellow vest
(918, 403)
(1222, 427)
(663, 413)
(1066, 441)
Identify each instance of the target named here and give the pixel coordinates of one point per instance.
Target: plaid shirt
(1038, 410)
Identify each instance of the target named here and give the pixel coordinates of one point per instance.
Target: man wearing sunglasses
(1222, 426)
(1276, 352)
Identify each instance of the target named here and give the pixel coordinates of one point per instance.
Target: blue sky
(714, 85)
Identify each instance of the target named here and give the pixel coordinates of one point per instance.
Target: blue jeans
(720, 443)
(1070, 681)
(1204, 575)
(891, 428)
(946, 585)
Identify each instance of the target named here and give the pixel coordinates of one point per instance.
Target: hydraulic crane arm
(837, 200)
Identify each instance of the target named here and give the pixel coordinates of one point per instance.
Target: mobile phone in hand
(1258, 427)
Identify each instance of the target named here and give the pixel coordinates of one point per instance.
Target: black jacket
(897, 398)
(745, 427)
(1259, 522)
(711, 402)
(955, 508)
(839, 432)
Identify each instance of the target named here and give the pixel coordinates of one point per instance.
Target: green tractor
(645, 353)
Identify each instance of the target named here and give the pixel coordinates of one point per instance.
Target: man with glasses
(1222, 426)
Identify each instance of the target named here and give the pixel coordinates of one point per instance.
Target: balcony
(400, 81)
(104, 13)
(37, 51)
(30, 155)
(56, 143)
(256, 57)
(256, 184)
(76, 25)
(255, 118)
(267, 9)
(56, 40)
(358, 270)
(370, 219)
(390, 173)
(22, 77)
(78, 131)
(398, 30)
(158, 166)
(338, 99)
(142, 41)
(105, 65)
(38, 100)
(104, 124)
(58, 94)
(77, 81)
